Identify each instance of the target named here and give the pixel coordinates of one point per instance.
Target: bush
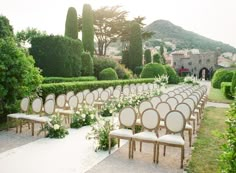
(57, 55)
(157, 58)
(147, 56)
(226, 89)
(153, 70)
(221, 75)
(173, 77)
(122, 72)
(87, 64)
(108, 74)
(138, 70)
(233, 84)
(125, 58)
(71, 79)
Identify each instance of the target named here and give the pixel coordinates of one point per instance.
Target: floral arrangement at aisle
(162, 80)
(100, 134)
(85, 116)
(54, 128)
(190, 80)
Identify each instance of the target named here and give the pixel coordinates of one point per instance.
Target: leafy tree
(71, 26)
(163, 60)
(157, 58)
(87, 64)
(233, 86)
(87, 29)
(125, 58)
(6, 30)
(135, 47)
(109, 24)
(147, 56)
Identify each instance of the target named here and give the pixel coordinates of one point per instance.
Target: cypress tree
(87, 29)
(125, 58)
(135, 47)
(71, 26)
(6, 30)
(87, 64)
(157, 58)
(147, 56)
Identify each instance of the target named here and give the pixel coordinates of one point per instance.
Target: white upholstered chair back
(61, 100)
(185, 109)
(116, 93)
(50, 96)
(127, 117)
(190, 102)
(171, 93)
(164, 97)
(155, 100)
(143, 106)
(96, 94)
(89, 99)
(24, 104)
(150, 119)
(49, 107)
(37, 105)
(179, 98)
(172, 102)
(104, 96)
(175, 121)
(80, 97)
(163, 108)
(68, 95)
(73, 102)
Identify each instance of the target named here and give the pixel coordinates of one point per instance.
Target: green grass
(216, 95)
(207, 146)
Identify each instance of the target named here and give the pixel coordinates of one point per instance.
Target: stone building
(198, 64)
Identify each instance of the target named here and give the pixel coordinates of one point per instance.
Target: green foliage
(18, 76)
(135, 47)
(62, 88)
(87, 29)
(125, 58)
(173, 77)
(226, 89)
(233, 89)
(57, 55)
(147, 56)
(138, 70)
(153, 70)
(6, 30)
(71, 79)
(221, 75)
(87, 64)
(122, 72)
(71, 26)
(108, 74)
(228, 157)
(157, 58)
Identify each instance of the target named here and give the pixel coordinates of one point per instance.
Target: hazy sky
(215, 19)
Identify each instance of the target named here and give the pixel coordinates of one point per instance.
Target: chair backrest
(175, 122)
(179, 98)
(24, 104)
(100, 91)
(116, 93)
(126, 91)
(195, 99)
(80, 97)
(85, 92)
(50, 96)
(96, 94)
(143, 106)
(69, 94)
(104, 96)
(61, 100)
(127, 117)
(150, 119)
(89, 98)
(184, 95)
(37, 105)
(185, 109)
(73, 102)
(172, 102)
(176, 91)
(49, 107)
(164, 97)
(163, 108)
(155, 100)
(190, 102)
(171, 93)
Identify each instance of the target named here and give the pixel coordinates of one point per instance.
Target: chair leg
(164, 151)
(157, 153)
(182, 156)
(109, 145)
(190, 137)
(118, 143)
(194, 128)
(129, 155)
(154, 153)
(32, 128)
(8, 120)
(17, 125)
(140, 146)
(20, 126)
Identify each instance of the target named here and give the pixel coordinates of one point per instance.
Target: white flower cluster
(161, 80)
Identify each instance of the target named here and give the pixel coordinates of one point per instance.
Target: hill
(182, 38)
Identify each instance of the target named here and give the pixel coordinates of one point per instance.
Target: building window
(189, 63)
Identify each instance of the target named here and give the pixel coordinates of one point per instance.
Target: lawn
(216, 95)
(207, 145)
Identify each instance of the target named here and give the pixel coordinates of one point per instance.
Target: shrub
(226, 89)
(71, 26)
(147, 56)
(57, 55)
(153, 70)
(173, 77)
(157, 58)
(71, 79)
(125, 58)
(138, 70)
(122, 72)
(101, 63)
(108, 74)
(221, 75)
(87, 64)
(233, 84)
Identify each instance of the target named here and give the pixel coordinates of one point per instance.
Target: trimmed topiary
(147, 56)
(173, 77)
(152, 70)
(122, 72)
(220, 76)
(87, 64)
(108, 74)
(71, 26)
(233, 86)
(226, 89)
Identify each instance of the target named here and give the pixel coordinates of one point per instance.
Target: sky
(215, 19)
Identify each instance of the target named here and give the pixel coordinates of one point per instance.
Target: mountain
(167, 31)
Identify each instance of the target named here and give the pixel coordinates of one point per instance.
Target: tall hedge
(57, 56)
(87, 64)
(147, 56)
(152, 70)
(71, 26)
(125, 58)
(173, 77)
(6, 30)
(135, 47)
(221, 75)
(87, 29)
(233, 86)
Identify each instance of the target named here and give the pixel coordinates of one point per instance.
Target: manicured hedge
(68, 79)
(57, 55)
(152, 70)
(221, 75)
(108, 74)
(62, 88)
(173, 77)
(226, 89)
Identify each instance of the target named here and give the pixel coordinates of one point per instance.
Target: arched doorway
(204, 73)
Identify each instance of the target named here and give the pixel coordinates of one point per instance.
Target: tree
(109, 24)
(87, 29)
(125, 58)
(162, 58)
(135, 47)
(71, 26)
(157, 58)
(87, 64)
(6, 30)
(147, 56)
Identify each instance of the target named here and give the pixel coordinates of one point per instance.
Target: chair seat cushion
(16, 115)
(138, 121)
(148, 136)
(162, 123)
(42, 119)
(171, 139)
(122, 133)
(66, 112)
(30, 117)
(192, 117)
(188, 126)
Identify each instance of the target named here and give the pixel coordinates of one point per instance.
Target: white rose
(92, 116)
(83, 116)
(111, 111)
(56, 127)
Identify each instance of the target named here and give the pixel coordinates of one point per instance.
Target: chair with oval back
(155, 100)
(60, 102)
(164, 97)
(193, 116)
(127, 119)
(116, 94)
(96, 94)
(175, 124)
(172, 102)
(89, 99)
(171, 93)
(80, 97)
(50, 96)
(179, 98)
(163, 108)
(142, 107)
